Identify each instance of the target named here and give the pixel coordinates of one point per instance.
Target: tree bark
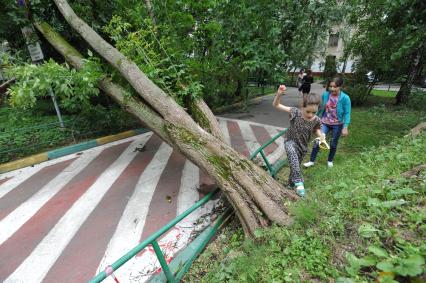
(148, 6)
(405, 89)
(256, 197)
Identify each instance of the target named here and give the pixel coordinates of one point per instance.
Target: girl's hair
(311, 99)
(309, 72)
(327, 85)
(338, 81)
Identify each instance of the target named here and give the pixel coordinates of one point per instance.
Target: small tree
(330, 67)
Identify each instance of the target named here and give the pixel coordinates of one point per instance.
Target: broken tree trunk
(256, 197)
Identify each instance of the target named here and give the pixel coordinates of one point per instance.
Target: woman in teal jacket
(335, 114)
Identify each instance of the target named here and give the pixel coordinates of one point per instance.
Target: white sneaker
(300, 189)
(308, 164)
(330, 164)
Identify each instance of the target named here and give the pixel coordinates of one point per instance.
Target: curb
(56, 153)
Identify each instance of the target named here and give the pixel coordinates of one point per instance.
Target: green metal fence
(174, 271)
(272, 168)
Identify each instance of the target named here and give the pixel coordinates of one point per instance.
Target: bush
(417, 100)
(358, 93)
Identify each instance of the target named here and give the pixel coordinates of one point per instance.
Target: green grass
(384, 93)
(361, 221)
(27, 132)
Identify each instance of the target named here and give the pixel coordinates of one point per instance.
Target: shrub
(358, 94)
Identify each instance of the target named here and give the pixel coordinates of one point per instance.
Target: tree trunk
(256, 197)
(148, 6)
(405, 90)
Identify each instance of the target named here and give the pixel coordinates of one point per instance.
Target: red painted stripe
(5, 179)
(29, 187)
(237, 140)
(94, 235)
(20, 245)
(163, 205)
(262, 136)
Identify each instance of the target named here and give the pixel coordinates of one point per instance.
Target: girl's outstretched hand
(281, 89)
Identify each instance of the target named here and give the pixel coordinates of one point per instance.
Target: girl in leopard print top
(303, 123)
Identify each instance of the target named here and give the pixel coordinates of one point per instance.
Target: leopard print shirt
(300, 130)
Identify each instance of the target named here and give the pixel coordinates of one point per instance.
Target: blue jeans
(336, 132)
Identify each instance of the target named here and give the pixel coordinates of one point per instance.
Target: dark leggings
(336, 132)
(294, 157)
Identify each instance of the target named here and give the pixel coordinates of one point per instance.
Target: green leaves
(71, 87)
(378, 251)
(367, 230)
(411, 266)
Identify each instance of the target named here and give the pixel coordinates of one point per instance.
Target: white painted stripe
(36, 266)
(188, 194)
(9, 185)
(129, 229)
(253, 123)
(13, 221)
(248, 136)
(224, 128)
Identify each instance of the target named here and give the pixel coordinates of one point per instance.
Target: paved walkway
(264, 112)
(67, 219)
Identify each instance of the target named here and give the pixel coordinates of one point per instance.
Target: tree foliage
(390, 37)
(207, 47)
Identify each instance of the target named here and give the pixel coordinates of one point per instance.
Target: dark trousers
(294, 156)
(336, 131)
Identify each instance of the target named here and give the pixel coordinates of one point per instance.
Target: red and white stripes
(69, 218)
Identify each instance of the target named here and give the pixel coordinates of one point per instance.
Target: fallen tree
(258, 200)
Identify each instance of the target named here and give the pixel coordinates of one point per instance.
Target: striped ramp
(66, 219)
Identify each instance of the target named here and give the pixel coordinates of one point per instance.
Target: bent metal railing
(271, 168)
(174, 271)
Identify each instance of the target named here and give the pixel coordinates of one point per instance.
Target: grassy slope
(359, 219)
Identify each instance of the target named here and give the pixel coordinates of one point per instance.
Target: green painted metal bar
(163, 263)
(268, 165)
(277, 166)
(102, 275)
(209, 234)
(267, 144)
(183, 261)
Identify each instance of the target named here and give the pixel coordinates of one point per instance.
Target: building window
(333, 40)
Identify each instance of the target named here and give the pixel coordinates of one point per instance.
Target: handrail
(267, 144)
(272, 169)
(152, 240)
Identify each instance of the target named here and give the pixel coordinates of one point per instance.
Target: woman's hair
(309, 72)
(338, 81)
(311, 99)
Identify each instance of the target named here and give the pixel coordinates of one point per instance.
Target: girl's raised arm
(277, 100)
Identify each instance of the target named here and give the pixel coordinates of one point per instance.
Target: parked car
(371, 76)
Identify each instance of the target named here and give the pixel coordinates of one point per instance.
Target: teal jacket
(343, 107)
